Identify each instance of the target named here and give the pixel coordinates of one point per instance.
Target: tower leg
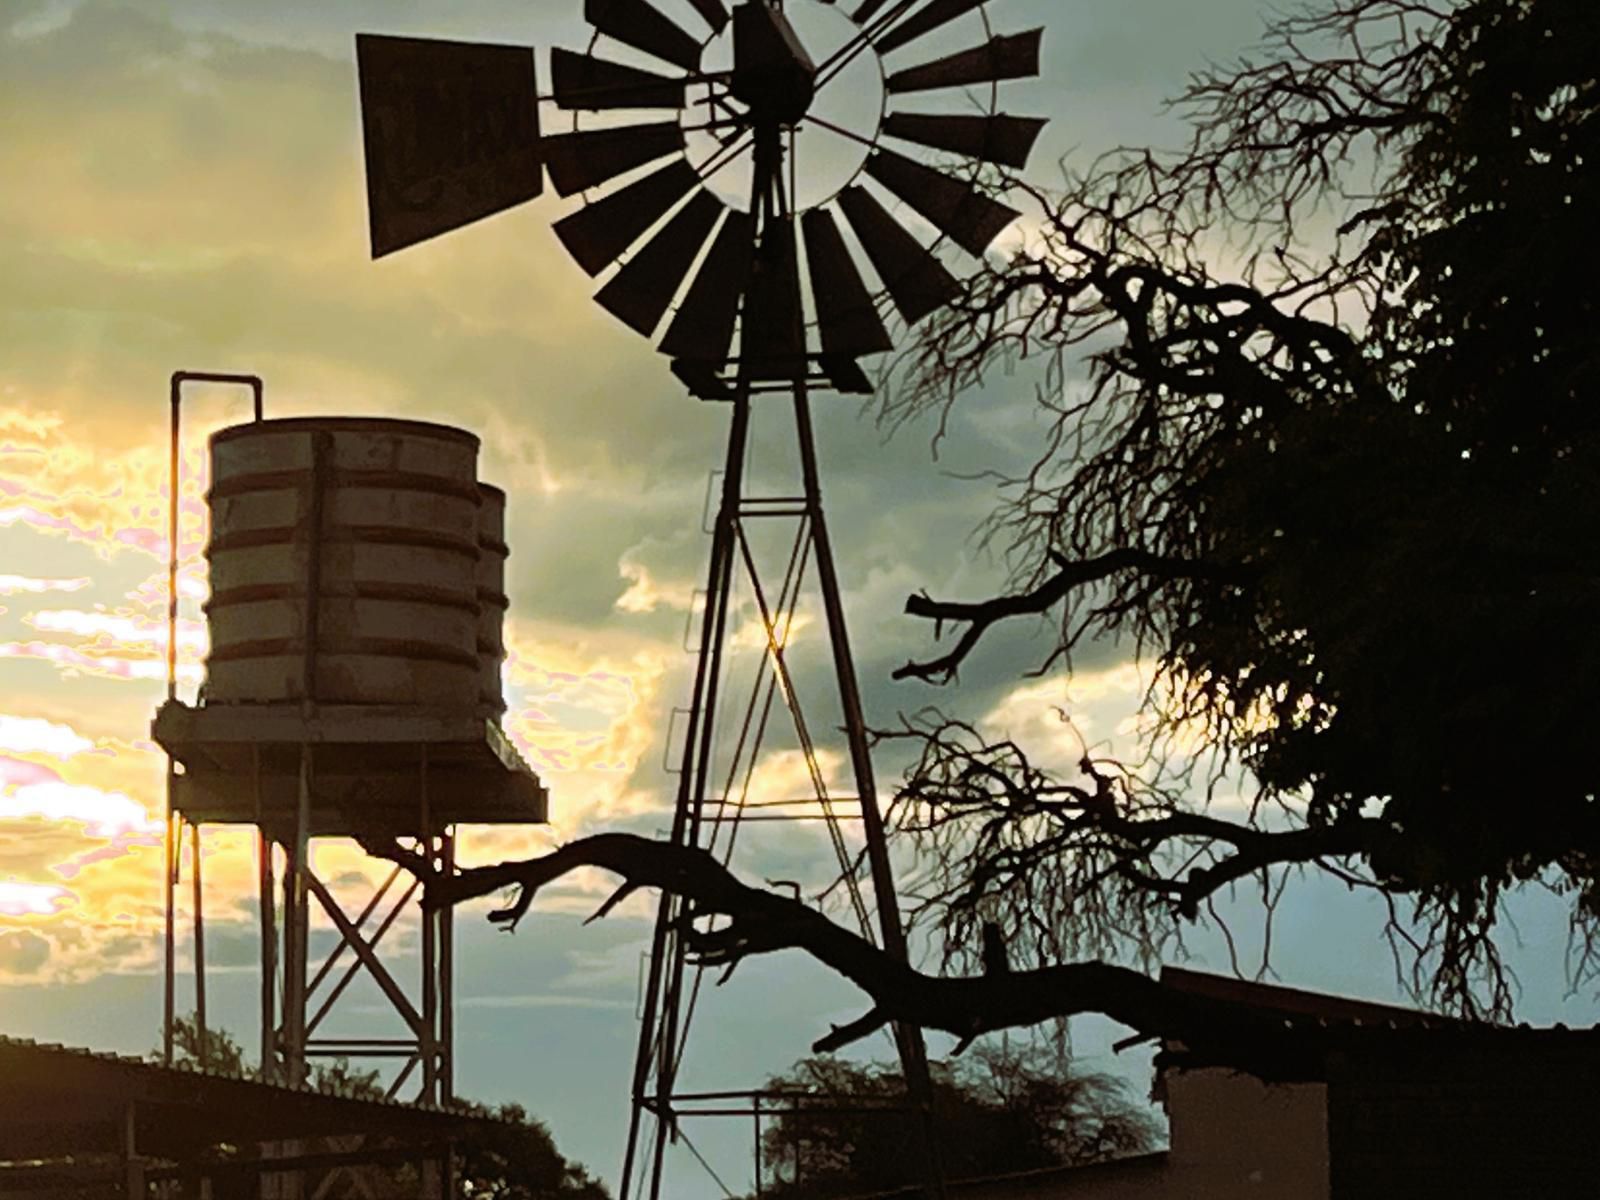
(658, 1029)
(267, 907)
(169, 886)
(447, 976)
(296, 932)
(908, 1038)
(202, 1050)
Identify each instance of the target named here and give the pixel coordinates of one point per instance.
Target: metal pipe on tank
(179, 378)
(174, 463)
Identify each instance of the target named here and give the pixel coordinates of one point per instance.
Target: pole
(172, 842)
(269, 959)
(428, 1044)
(201, 1050)
(297, 930)
(265, 884)
(447, 977)
(169, 883)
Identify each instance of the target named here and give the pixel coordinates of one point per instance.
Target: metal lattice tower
(758, 302)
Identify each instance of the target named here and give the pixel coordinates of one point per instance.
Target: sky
(181, 187)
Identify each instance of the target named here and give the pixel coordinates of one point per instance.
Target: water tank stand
(353, 771)
(299, 996)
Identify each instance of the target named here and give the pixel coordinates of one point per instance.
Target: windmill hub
(772, 73)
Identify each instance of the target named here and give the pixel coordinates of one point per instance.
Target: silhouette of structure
(1342, 1099)
(764, 298)
(76, 1123)
(352, 690)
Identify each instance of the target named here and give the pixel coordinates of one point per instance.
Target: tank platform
(375, 771)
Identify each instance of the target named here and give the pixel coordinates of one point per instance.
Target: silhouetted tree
(1333, 475)
(518, 1160)
(845, 1130)
(222, 1054)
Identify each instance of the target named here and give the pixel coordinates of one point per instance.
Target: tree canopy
(1333, 474)
(845, 1129)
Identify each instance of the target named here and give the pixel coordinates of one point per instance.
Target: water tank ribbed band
(491, 597)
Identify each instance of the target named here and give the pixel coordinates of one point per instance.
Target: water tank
(492, 600)
(345, 564)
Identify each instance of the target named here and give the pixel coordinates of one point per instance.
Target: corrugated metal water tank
(346, 560)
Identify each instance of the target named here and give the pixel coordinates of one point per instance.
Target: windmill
(762, 296)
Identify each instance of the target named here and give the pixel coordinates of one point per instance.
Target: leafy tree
(845, 1130)
(1334, 474)
(222, 1052)
(519, 1161)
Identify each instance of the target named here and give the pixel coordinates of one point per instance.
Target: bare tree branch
(761, 922)
(984, 613)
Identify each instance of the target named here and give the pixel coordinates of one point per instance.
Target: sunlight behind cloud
(11, 585)
(103, 814)
(33, 735)
(32, 899)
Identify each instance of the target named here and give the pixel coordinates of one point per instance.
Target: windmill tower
(757, 298)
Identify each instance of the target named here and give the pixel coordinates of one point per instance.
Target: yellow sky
(182, 201)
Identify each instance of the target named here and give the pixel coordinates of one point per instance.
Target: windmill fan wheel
(696, 274)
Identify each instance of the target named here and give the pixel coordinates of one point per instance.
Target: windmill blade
(703, 327)
(845, 375)
(846, 316)
(774, 322)
(597, 234)
(1007, 141)
(639, 24)
(589, 157)
(962, 213)
(926, 20)
(451, 133)
(917, 281)
(1014, 57)
(712, 13)
(638, 295)
(581, 81)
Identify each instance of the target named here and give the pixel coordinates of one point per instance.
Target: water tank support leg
(199, 905)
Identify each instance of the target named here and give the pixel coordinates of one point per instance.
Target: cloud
(103, 814)
(11, 585)
(22, 952)
(31, 899)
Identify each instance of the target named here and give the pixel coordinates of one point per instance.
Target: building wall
(1503, 1116)
(1234, 1136)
